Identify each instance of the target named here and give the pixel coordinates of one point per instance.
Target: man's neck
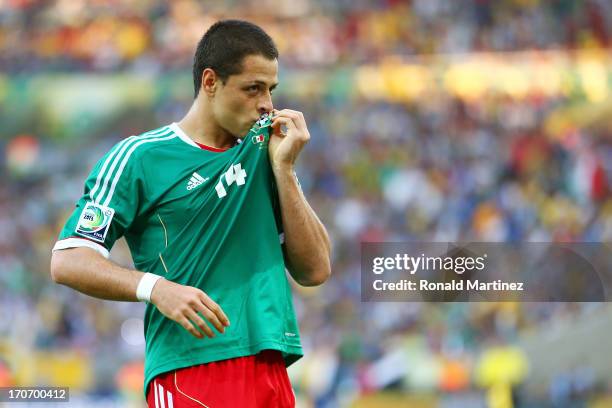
(200, 126)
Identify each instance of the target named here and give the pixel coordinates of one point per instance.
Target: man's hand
(285, 147)
(182, 304)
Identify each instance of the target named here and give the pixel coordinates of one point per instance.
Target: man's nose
(265, 104)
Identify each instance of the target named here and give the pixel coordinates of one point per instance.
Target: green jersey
(200, 218)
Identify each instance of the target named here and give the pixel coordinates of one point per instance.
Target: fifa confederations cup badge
(264, 121)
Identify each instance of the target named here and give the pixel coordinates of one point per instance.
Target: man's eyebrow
(263, 83)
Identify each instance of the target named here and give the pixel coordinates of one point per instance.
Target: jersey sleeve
(109, 204)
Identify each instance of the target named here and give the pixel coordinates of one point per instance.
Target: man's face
(239, 102)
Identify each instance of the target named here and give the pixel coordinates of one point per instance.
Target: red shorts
(245, 382)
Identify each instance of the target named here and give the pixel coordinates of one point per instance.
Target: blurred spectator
(157, 35)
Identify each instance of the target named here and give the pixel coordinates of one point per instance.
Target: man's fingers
(296, 114)
(286, 111)
(211, 317)
(297, 117)
(294, 117)
(189, 327)
(215, 308)
(281, 120)
(195, 318)
(183, 306)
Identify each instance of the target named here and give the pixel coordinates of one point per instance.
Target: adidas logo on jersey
(195, 181)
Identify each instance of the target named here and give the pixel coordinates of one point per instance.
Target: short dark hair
(224, 46)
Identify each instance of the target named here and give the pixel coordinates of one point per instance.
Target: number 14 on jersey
(234, 174)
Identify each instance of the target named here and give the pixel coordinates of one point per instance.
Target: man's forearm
(307, 244)
(87, 271)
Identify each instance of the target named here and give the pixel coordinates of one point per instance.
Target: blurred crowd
(157, 35)
(437, 169)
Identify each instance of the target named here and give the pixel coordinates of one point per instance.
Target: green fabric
(218, 230)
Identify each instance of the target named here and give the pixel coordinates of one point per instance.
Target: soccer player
(213, 213)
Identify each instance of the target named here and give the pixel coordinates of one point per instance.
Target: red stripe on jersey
(210, 148)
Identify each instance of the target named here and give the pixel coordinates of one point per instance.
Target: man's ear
(210, 81)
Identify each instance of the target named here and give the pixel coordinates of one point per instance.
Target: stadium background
(430, 120)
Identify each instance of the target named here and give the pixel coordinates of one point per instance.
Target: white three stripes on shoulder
(130, 143)
(111, 156)
(167, 136)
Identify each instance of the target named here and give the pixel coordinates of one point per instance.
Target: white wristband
(145, 286)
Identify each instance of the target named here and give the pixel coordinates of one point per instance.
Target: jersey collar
(182, 135)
